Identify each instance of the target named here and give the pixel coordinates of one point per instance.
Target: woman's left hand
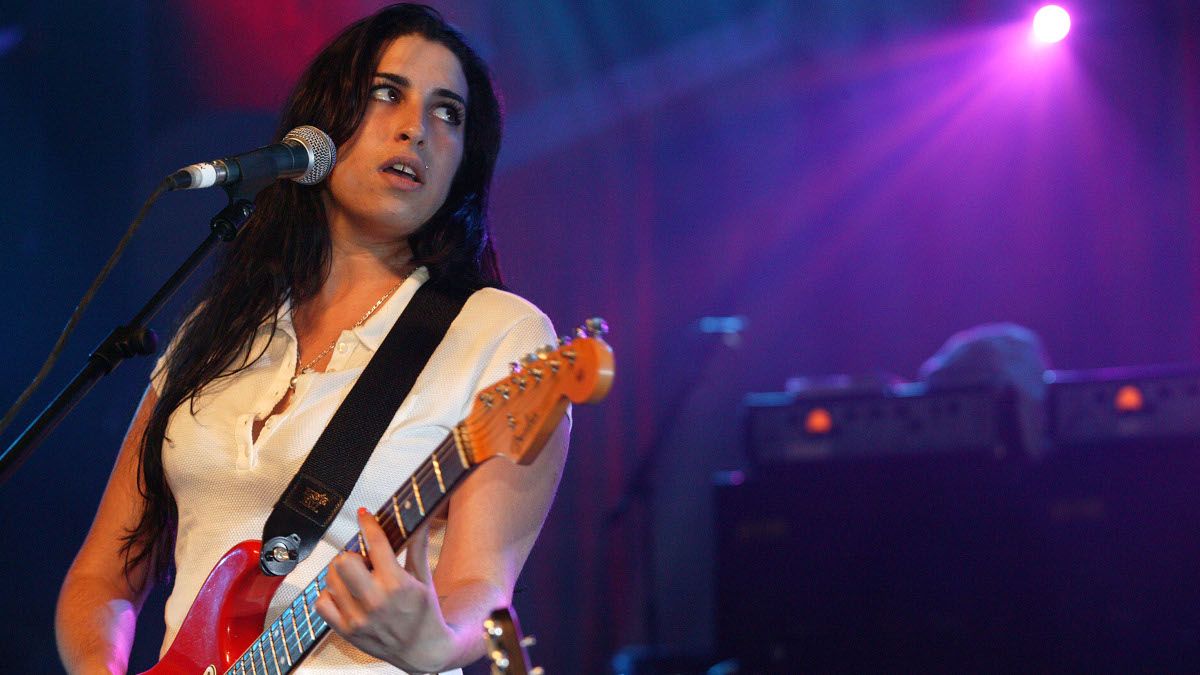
(387, 611)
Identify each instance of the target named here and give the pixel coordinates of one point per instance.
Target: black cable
(86, 300)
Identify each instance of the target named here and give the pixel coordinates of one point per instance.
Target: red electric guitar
(223, 631)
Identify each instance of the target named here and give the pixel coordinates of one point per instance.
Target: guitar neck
(290, 638)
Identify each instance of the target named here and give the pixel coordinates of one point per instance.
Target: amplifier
(919, 562)
(1084, 561)
(795, 427)
(1124, 405)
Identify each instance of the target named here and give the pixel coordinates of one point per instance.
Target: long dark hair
(283, 252)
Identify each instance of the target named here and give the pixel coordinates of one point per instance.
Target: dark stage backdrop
(858, 180)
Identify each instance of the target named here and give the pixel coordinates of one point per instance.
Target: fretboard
(289, 638)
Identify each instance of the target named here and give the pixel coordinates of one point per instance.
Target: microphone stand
(133, 338)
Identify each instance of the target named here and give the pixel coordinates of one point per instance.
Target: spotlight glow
(1051, 24)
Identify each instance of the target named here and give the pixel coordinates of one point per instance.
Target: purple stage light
(1051, 24)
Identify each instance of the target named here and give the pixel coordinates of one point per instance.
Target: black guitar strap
(321, 486)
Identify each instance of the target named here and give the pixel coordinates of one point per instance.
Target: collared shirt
(225, 482)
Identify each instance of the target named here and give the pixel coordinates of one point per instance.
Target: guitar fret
(307, 619)
(437, 471)
(429, 489)
(458, 445)
(290, 615)
(262, 657)
(246, 659)
(451, 471)
(278, 625)
(271, 644)
(289, 647)
(316, 623)
(417, 493)
(274, 654)
(399, 520)
(299, 604)
(410, 517)
(275, 658)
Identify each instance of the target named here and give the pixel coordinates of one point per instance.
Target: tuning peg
(564, 340)
(538, 671)
(514, 367)
(596, 327)
(528, 641)
(529, 358)
(544, 352)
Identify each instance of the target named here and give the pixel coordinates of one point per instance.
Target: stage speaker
(1121, 526)
(1084, 561)
(887, 563)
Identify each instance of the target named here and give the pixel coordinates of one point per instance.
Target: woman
(285, 326)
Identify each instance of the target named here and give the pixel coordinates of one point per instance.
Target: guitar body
(227, 615)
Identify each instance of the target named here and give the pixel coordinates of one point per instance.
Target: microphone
(306, 155)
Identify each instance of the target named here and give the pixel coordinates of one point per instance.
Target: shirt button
(341, 347)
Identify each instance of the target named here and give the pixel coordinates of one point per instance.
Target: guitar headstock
(506, 647)
(515, 416)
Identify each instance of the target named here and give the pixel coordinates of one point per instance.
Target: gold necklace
(308, 367)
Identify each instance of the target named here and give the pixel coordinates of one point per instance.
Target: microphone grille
(321, 151)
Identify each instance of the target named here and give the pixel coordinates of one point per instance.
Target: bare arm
(97, 605)
(494, 520)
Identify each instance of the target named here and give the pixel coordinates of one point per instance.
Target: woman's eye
(385, 92)
(451, 114)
